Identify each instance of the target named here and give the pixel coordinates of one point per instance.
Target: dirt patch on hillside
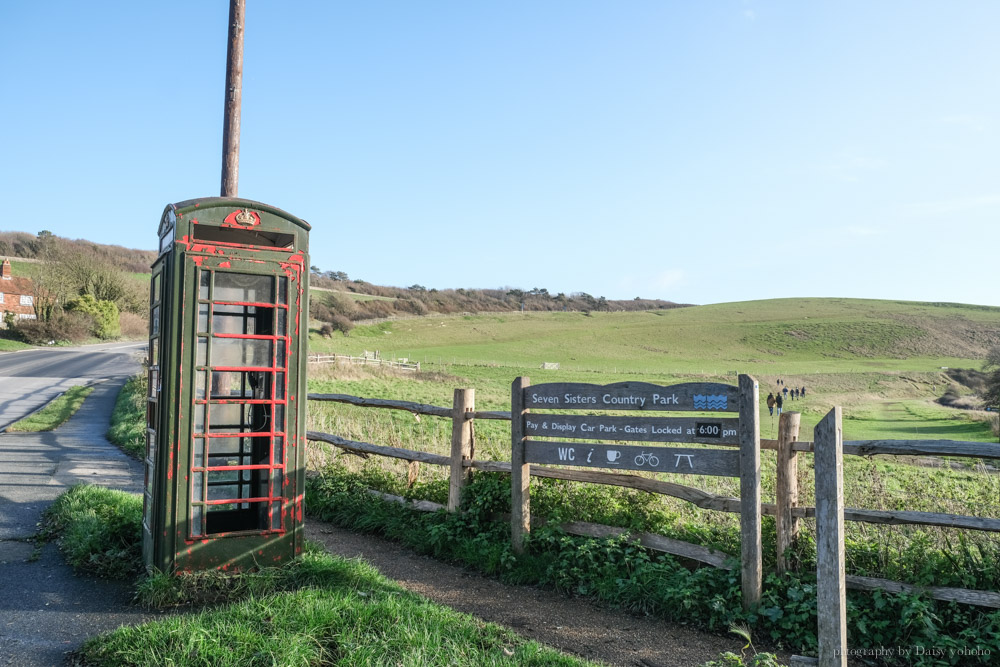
(573, 625)
(948, 337)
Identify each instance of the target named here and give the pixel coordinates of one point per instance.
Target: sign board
(573, 449)
(690, 397)
(688, 461)
(645, 429)
(700, 396)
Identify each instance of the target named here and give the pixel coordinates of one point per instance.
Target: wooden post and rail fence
(534, 458)
(367, 359)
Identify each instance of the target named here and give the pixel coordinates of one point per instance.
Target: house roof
(13, 284)
(17, 286)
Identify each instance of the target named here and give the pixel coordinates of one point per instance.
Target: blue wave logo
(720, 402)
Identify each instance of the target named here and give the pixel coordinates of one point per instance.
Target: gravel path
(573, 625)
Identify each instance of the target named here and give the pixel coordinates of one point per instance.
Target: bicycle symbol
(645, 458)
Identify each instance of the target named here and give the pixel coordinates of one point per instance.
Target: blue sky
(699, 152)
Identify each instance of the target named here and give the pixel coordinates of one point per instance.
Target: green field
(784, 336)
(882, 361)
(885, 363)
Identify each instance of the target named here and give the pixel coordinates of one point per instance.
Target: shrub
(324, 306)
(410, 305)
(9, 329)
(376, 309)
(341, 323)
(969, 377)
(68, 327)
(133, 326)
(991, 388)
(320, 311)
(341, 305)
(105, 314)
(134, 298)
(949, 396)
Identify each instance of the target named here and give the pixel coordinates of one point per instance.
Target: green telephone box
(225, 440)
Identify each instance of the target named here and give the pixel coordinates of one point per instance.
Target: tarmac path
(31, 378)
(46, 611)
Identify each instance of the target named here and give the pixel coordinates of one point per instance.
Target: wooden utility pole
(234, 95)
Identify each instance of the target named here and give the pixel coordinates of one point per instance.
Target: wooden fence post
(520, 473)
(787, 485)
(461, 444)
(830, 579)
(750, 541)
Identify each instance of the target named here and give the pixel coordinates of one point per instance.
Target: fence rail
(415, 408)
(786, 508)
(363, 361)
(976, 450)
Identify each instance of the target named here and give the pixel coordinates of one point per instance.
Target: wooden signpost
(531, 443)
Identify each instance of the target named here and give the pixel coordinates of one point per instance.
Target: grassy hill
(774, 336)
(883, 361)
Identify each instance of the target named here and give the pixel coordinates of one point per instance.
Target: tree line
(338, 300)
(45, 243)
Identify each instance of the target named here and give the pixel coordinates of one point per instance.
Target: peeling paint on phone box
(201, 240)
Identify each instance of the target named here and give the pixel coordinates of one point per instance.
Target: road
(31, 378)
(46, 610)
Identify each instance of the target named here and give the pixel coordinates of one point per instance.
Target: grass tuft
(56, 413)
(10, 345)
(98, 529)
(332, 624)
(128, 420)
